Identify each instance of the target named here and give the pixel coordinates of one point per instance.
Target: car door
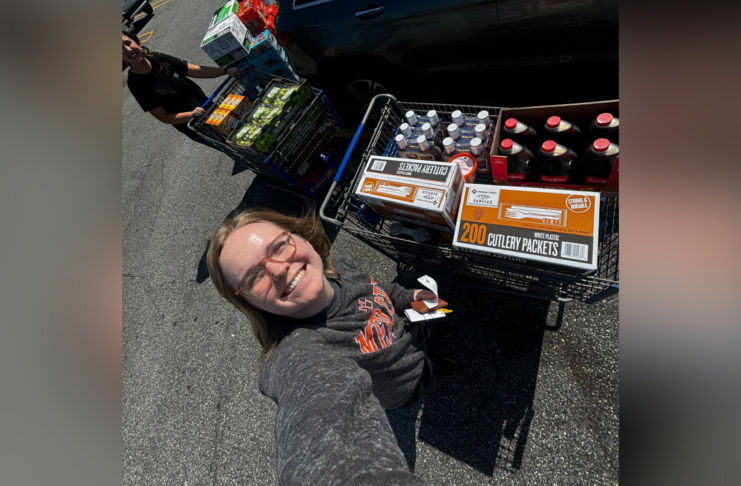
(538, 33)
(424, 37)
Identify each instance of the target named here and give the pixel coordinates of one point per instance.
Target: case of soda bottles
(573, 146)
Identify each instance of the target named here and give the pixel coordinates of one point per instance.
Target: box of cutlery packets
(416, 191)
(549, 226)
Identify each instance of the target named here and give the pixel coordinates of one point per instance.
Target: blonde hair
(308, 227)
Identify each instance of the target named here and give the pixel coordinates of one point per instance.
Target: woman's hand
(198, 112)
(232, 71)
(424, 295)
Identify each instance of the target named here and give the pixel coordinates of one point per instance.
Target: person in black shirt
(160, 84)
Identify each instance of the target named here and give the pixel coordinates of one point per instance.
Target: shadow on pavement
(482, 415)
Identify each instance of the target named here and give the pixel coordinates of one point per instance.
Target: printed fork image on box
(544, 225)
(415, 191)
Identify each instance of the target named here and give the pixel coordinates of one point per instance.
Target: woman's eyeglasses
(258, 279)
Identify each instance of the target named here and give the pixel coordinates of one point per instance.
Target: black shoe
(443, 366)
(442, 329)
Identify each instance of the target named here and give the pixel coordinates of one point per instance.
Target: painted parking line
(154, 6)
(146, 36)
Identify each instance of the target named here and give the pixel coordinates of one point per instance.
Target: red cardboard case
(580, 114)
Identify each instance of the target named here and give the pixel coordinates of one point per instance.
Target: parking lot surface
(536, 401)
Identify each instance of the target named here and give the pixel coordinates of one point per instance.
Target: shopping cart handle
(348, 154)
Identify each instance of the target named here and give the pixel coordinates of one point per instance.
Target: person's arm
(330, 428)
(175, 118)
(195, 71)
(402, 298)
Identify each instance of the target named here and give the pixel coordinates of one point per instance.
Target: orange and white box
(543, 225)
(224, 121)
(416, 191)
(238, 105)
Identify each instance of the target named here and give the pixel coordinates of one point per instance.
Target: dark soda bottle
(515, 128)
(519, 160)
(598, 162)
(555, 126)
(605, 126)
(556, 163)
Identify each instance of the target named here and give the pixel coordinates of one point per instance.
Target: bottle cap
(475, 142)
(480, 128)
(404, 127)
(452, 127)
(483, 115)
(410, 114)
(554, 121)
(448, 145)
(399, 138)
(601, 144)
(421, 139)
(604, 120)
(456, 114)
(510, 123)
(431, 114)
(426, 126)
(549, 145)
(506, 144)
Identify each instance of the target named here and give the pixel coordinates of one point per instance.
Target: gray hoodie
(333, 374)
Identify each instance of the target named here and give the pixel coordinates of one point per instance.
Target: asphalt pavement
(536, 401)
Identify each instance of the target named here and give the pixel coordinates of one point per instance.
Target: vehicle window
(307, 3)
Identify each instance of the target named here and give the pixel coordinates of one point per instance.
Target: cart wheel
(148, 9)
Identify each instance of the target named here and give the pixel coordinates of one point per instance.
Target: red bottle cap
(601, 144)
(549, 145)
(604, 119)
(506, 143)
(554, 121)
(510, 123)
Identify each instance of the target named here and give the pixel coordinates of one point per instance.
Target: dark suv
(131, 9)
(488, 52)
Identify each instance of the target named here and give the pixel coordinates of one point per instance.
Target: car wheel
(148, 9)
(359, 94)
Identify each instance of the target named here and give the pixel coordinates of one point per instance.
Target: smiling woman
(337, 347)
(161, 85)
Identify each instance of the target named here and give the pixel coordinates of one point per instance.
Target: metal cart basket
(275, 165)
(442, 260)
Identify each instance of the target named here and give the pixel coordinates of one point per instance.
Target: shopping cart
(278, 164)
(441, 260)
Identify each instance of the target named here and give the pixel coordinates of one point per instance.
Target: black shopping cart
(440, 260)
(298, 149)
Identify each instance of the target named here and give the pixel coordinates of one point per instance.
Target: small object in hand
(422, 308)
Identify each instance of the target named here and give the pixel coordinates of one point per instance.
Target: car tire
(360, 92)
(148, 9)
(353, 89)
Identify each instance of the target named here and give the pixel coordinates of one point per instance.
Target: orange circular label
(578, 203)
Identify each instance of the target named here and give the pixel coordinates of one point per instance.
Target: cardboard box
(420, 192)
(224, 121)
(581, 114)
(227, 39)
(549, 226)
(237, 105)
(263, 43)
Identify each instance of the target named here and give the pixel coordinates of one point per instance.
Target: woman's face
(247, 247)
(132, 52)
